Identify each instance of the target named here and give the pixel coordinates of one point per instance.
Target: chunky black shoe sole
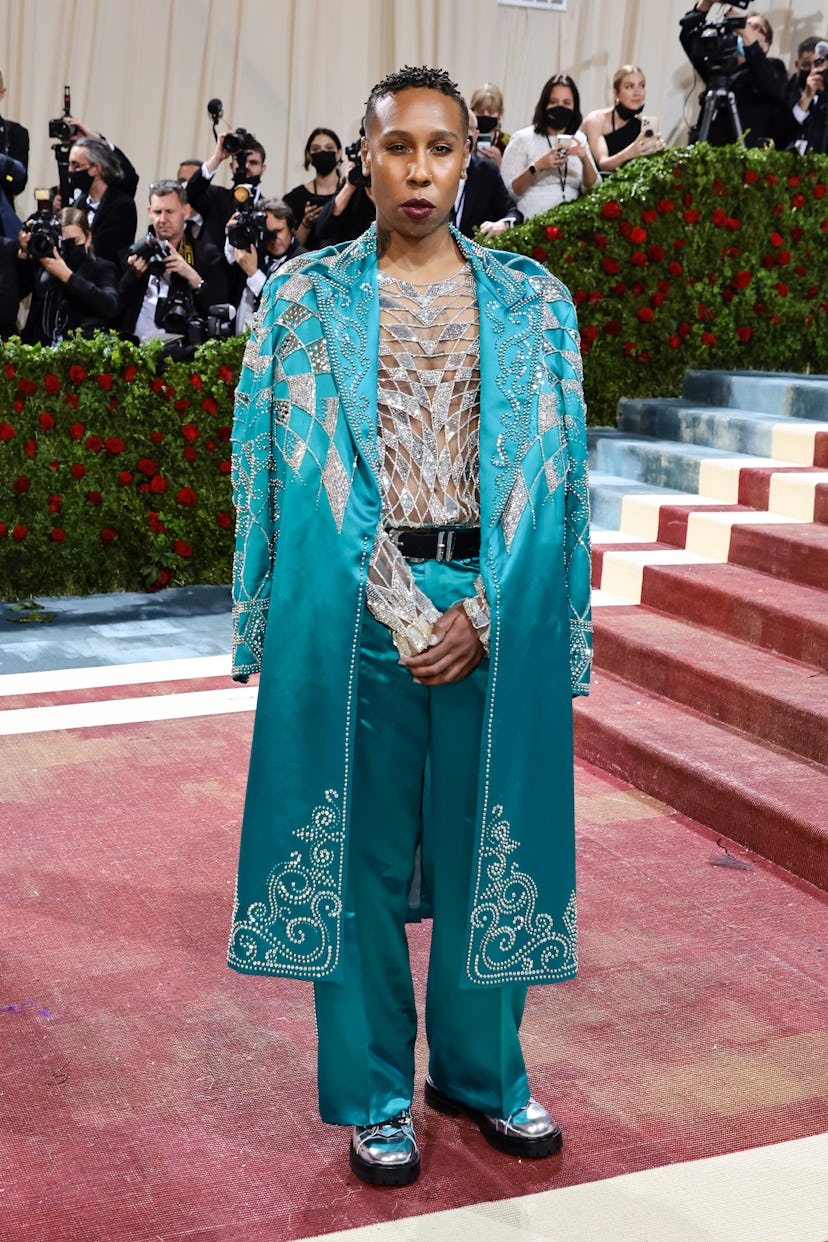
(513, 1144)
(382, 1175)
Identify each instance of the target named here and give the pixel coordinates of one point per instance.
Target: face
(253, 162)
(757, 24)
(323, 142)
(632, 90)
(185, 171)
(79, 162)
(279, 244)
(560, 97)
(488, 111)
(167, 215)
(474, 129)
(415, 151)
(74, 232)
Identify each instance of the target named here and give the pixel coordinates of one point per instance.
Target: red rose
(539, 254)
(181, 404)
(601, 240)
(774, 318)
(225, 374)
(657, 299)
(783, 258)
(625, 228)
(78, 471)
(768, 261)
(94, 498)
(665, 206)
(54, 465)
(771, 179)
(157, 437)
(76, 373)
(209, 405)
(30, 448)
(76, 431)
(692, 216)
(155, 524)
(45, 421)
(656, 253)
(732, 224)
(58, 536)
(638, 258)
(744, 334)
(552, 232)
(637, 289)
(594, 295)
(708, 338)
(186, 496)
(18, 406)
(210, 446)
(781, 288)
(107, 535)
(94, 444)
(8, 370)
(129, 373)
(190, 432)
(650, 217)
(55, 502)
(675, 268)
(644, 356)
(51, 383)
(124, 478)
(611, 266)
(589, 333)
(182, 548)
(225, 467)
(113, 403)
(7, 432)
(579, 297)
(224, 433)
(638, 235)
(4, 530)
(674, 342)
(619, 288)
(646, 314)
(19, 533)
(798, 201)
(147, 466)
(613, 327)
(679, 243)
(630, 347)
(21, 484)
(197, 382)
(158, 484)
(189, 453)
(114, 445)
(684, 329)
(104, 381)
(719, 218)
(72, 400)
(26, 386)
(742, 279)
(610, 211)
(750, 176)
(719, 187)
(224, 520)
(796, 234)
(157, 384)
(776, 239)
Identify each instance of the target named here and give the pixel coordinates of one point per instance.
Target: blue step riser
(733, 432)
(649, 463)
(784, 396)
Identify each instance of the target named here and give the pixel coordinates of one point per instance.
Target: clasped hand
(452, 657)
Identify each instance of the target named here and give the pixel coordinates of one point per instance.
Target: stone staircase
(710, 577)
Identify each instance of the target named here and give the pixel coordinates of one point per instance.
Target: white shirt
(549, 188)
(145, 325)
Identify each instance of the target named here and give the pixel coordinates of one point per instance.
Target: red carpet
(150, 1093)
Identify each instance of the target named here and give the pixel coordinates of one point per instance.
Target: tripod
(717, 97)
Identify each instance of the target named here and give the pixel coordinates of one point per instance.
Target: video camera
(44, 229)
(353, 152)
(715, 44)
(250, 228)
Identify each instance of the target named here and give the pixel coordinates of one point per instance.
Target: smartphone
(564, 141)
(484, 140)
(649, 127)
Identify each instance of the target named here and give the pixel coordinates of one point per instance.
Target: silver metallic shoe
(386, 1154)
(528, 1132)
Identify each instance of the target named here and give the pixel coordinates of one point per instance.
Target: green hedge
(113, 478)
(698, 257)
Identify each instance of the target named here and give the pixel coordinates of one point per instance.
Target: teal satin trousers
(416, 760)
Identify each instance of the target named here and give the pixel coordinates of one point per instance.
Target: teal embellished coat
(306, 480)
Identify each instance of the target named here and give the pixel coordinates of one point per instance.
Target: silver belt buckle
(445, 545)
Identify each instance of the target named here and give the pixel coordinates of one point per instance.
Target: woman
(411, 519)
(614, 134)
(487, 105)
(549, 162)
(71, 288)
(323, 153)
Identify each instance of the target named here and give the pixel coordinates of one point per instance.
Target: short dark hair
(419, 77)
(255, 145)
(280, 210)
(807, 45)
(557, 79)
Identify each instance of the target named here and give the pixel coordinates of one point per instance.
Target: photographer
(272, 241)
(758, 82)
(215, 203)
(102, 183)
(810, 111)
(174, 277)
(9, 287)
(14, 161)
(70, 287)
(348, 214)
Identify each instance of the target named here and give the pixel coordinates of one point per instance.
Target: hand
(57, 266)
(578, 149)
(490, 152)
(23, 242)
(452, 657)
(248, 260)
(311, 214)
(814, 85)
(492, 228)
(648, 146)
(138, 265)
(176, 262)
(83, 130)
(218, 155)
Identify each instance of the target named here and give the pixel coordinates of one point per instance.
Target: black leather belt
(438, 543)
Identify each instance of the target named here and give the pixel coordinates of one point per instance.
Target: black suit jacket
(759, 86)
(10, 294)
(88, 300)
(209, 264)
(215, 204)
(116, 220)
(485, 197)
(14, 142)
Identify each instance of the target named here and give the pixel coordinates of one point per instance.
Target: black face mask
(324, 162)
(487, 124)
(81, 180)
(627, 114)
(242, 177)
(73, 253)
(559, 117)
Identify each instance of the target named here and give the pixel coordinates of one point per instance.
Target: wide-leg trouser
(415, 779)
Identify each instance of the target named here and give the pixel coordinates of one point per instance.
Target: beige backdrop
(142, 70)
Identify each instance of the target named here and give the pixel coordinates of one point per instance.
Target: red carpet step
(798, 553)
(769, 696)
(746, 789)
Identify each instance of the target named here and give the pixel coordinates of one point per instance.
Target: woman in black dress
(615, 134)
(323, 153)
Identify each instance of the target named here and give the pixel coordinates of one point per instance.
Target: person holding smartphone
(549, 162)
(619, 134)
(323, 153)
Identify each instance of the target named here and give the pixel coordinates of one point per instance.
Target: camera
(153, 251)
(356, 176)
(237, 140)
(221, 320)
(61, 128)
(251, 226)
(44, 229)
(175, 313)
(716, 43)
